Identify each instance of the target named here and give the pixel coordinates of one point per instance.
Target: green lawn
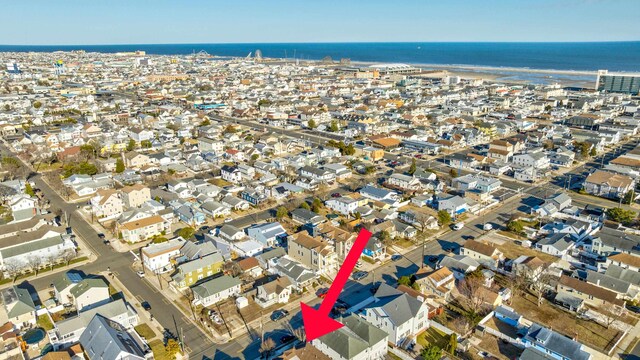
(433, 336)
(145, 331)
(159, 353)
(44, 321)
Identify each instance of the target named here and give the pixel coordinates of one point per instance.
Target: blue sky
(78, 22)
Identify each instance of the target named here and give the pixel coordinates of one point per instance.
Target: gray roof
(107, 340)
(375, 191)
(555, 342)
(608, 282)
(294, 270)
(191, 249)
(86, 285)
(459, 263)
(267, 230)
(200, 263)
(272, 254)
(397, 305)
(216, 285)
(559, 241)
(531, 353)
(619, 239)
(229, 230)
(110, 310)
(17, 301)
(623, 274)
(355, 337)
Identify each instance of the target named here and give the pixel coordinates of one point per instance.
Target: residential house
(231, 174)
(89, 293)
(18, 306)
(157, 257)
(268, 234)
(537, 160)
(104, 339)
(404, 182)
(143, 229)
(274, 292)
(460, 265)
(439, 282)
(558, 244)
(551, 343)
(356, 340)
(68, 331)
(610, 241)
(191, 272)
(135, 195)
(312, 252)
(107, 204)
(304, 216)
(345, 205)
(607, 184)
(397, 313)
(45, 243)
(135, 160)
(593, 295)
(486, 254)
(215, 290)
(299, 275)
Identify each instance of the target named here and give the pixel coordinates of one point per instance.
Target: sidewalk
(91, 258)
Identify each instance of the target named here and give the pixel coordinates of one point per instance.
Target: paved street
(167, 314)
(246, 346)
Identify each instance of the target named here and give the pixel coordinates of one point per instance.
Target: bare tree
(267, 346)
(34, 263)
(421, 221)
(67, 256)
(470, 289)
(13, 269)
(516, 283)
(610, 314)
(539, 282)
(51, 261)
(232, 268)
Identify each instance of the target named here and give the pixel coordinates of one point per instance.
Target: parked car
(140, 273)
(279, 314)
(322, 293)
(228, 220)
(146, 305)
(359, 275)
(287, 338)
(458, 226)
(432, 259)
(396, 257)
(336, 195)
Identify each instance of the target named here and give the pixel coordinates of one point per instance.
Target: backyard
(588, 332)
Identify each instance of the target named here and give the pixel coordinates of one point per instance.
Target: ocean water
(589, 56)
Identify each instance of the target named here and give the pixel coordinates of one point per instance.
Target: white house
(344, 205)
(157, 257)
(399, 314)
(216, 290)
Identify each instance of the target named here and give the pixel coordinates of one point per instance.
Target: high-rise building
(618, 82)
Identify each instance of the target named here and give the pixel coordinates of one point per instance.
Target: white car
(487, 227)
(458, 226)
(140, 274)
(227, 220)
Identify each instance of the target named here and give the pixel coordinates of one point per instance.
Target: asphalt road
(168, 315)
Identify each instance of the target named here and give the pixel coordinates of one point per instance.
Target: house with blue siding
(554, 344)
(190, 215)
(267, 234)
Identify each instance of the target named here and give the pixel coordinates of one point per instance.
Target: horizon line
(335, 42)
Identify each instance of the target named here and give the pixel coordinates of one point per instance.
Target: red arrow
(318, 322)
